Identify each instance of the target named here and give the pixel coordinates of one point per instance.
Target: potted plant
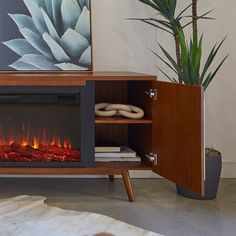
(187, 67)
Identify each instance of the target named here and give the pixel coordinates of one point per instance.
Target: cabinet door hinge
(152, 93)
(152, 157)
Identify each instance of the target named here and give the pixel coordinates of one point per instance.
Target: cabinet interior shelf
(121, 120)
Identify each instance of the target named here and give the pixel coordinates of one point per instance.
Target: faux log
(18, 153)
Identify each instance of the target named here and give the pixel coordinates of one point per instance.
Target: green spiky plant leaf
(186, 64)
(190, 62)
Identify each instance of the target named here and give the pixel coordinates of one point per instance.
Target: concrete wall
(121, 44)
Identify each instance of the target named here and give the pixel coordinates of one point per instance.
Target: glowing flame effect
(28, 137)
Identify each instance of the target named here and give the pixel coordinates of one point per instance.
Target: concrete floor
(157, 208)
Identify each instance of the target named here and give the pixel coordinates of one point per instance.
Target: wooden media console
(169, 139)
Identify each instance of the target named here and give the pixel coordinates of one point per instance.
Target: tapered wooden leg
(111, 178)
(128, 185)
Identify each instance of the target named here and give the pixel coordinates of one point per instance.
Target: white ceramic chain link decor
(109, 110)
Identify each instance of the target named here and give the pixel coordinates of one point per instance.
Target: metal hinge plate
(152, 93)
(152, 157)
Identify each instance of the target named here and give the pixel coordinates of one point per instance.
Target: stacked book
(115, 153)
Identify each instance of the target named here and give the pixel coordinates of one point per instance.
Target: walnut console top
(65, 78)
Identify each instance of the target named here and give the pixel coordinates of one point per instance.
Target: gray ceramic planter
(213, 170)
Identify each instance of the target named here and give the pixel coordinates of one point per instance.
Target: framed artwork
(45, 35)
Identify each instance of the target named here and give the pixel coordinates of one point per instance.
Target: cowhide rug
(30, 216)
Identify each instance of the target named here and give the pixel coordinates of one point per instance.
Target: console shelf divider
(120, 120)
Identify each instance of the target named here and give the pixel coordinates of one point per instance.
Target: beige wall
(120, 44)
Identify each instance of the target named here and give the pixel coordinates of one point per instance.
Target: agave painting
(55, 35)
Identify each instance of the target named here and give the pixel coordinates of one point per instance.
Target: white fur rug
(29, 216)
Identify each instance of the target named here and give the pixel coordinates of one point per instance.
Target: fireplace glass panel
(40, 128)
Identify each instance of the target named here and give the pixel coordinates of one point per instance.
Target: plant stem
(177, 49)
(194, 14)
(195, 27)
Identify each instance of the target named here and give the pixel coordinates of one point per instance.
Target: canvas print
(45, 35)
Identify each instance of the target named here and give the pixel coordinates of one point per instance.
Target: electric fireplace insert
(47, 126)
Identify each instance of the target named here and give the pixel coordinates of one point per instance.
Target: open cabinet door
(178, 134)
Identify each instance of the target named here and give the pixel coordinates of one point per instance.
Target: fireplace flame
(36, 143)
(27, 137)
(10, 142)
(25, 145)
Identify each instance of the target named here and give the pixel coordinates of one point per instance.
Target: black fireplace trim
(39, 98)
(87, 103)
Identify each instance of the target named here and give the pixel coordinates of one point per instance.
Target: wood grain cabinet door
(178, 134)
